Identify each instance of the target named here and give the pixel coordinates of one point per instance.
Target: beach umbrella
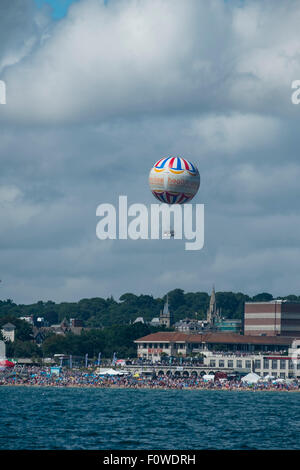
(208, 378)
(108, 372)
(120, 362)
(269, 377)
(6, 363)
(251, 378)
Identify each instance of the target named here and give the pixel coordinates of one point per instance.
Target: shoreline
(118, 387)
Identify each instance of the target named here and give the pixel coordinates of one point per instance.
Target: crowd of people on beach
(43, 377)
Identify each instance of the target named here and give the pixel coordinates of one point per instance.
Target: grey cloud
(110, 91)
(21, 27)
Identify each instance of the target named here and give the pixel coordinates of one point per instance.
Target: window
(230, 363)
(221, 363)
(248, 364)
(266, 363)
(257, 363)
(282, 364)
(239, 363)
(212, 363)
(274, 364)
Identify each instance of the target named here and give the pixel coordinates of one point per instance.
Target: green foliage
(111, 322)
(23, 349)
(118, 339)
(263, 297)
(103, 313)
(231, 304)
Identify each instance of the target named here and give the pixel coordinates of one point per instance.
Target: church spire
(212, 312)
(165, 317)
(166, 307)
(213, 296)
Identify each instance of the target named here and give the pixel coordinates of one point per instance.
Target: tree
(176, 298)
(25, 349)
(54, 344)
(263, 297)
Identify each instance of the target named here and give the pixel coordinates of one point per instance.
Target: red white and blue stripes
(172, 198)
(176, 165)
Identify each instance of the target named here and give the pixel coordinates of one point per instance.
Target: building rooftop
(139, 320)
(229, 338)
(8, 325)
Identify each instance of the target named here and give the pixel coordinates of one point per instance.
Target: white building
(29, 319)
(277, 366)
(139, 320)
(8, 332)
(155, 322)
(160, 344)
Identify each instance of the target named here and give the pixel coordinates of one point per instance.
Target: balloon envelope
(174, 180)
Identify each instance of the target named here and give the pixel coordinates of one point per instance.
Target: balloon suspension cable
(169, 233)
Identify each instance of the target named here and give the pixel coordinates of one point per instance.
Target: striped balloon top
(175, 165)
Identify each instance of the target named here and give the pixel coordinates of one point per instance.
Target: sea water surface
(83, 418)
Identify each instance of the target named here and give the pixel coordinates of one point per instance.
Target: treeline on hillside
(98, 312)
(107, 341)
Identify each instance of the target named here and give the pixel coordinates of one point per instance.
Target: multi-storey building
(157, 345)
(272, 365)
(278, 317)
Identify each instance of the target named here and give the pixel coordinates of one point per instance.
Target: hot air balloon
(174, 180)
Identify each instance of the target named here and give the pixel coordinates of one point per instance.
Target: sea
(41, 418)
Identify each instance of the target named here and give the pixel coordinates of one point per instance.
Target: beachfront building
(160, 344)
(277, 317)
(8, 332)
(270, 365)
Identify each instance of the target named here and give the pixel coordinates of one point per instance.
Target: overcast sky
(97, 92)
